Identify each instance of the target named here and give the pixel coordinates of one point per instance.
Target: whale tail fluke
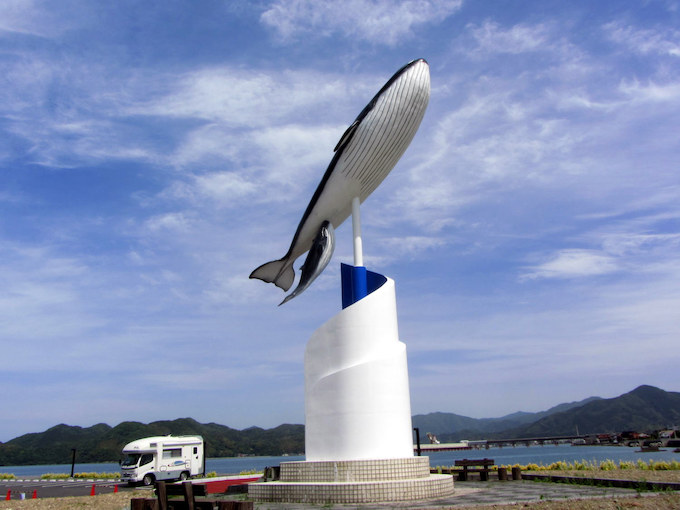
(279, 272)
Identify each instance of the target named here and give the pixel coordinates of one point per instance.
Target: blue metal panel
(357, 283)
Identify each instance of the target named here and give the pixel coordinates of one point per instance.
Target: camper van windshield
(131, 459)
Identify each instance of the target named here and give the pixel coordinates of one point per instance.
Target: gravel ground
(648, 502)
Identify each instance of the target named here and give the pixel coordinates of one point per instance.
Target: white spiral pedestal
(358, 432)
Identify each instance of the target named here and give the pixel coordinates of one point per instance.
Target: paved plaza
(486, 493)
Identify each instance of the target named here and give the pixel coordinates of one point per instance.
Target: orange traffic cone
(115, 489)
(92, 492)
(35, 494)
(9, 495)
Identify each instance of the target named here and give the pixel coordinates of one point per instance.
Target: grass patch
(605, 465)
(64, 476)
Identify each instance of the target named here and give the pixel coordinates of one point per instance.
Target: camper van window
(172, 453)
(195, 450)
(146, 458)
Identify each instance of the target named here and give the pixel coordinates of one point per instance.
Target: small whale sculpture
(318, 257)
(365, 154)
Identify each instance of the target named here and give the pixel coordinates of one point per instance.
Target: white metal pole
(356, 230)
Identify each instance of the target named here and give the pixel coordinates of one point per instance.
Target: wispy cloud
(30, 18)
(640, 242)
(662, 41)
(44, 288)
(492, 38)
(379, 21)
(651, 92)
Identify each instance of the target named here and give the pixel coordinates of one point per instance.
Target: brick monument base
(354, 482)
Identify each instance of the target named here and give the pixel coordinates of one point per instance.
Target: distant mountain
(561, 408)
(101, 442)
(643, 409)
(646, 408)
(453, 427)
(442, 423)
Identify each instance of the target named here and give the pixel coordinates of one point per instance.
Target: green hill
(646, 408)
(452, 427)
(102, 443)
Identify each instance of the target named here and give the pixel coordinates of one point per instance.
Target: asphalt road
(58, 488)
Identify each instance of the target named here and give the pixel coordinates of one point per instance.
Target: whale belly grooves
(387, 130)
(364, 156)
(373, 148)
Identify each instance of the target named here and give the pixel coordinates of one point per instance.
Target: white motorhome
(163, 458)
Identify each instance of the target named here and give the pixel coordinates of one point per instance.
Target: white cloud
(245, 116)
(377, 21)
(224, 188)
(574, 263)
(172, 222)
(396, 248)
(214, 94)
(224, 185)
(241, 98)
(210, 145)
(491, 38)
(634, 246)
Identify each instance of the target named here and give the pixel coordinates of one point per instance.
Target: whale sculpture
(365, 154)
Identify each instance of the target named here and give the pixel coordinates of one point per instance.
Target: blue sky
(152, 154)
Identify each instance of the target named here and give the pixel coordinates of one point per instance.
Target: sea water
(547, 454)
(508, 455)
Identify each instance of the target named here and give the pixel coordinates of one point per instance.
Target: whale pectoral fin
(318, 257)
(288, 298)
(278, 272)
(347, 135)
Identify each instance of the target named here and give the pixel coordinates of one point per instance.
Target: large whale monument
(358, 432)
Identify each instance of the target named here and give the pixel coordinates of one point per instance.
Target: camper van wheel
(148, 479)
(184, 475)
